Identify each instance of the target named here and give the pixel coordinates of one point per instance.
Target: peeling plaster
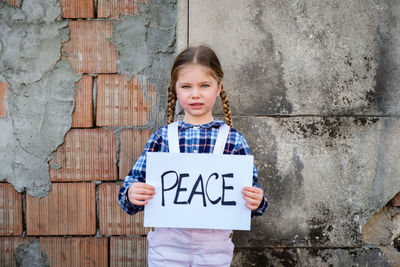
(41, 92)
(146, 46)
(381, 230)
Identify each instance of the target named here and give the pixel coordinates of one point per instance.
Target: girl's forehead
(195, 69)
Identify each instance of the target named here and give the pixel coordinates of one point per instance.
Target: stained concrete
(304, 57)
(146, 46)
(325, 177)
(313, 86)
(283, 257)
(41, 92)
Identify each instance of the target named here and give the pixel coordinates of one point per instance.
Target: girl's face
(197, 91)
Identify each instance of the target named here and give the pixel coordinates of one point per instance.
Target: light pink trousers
(179, 247)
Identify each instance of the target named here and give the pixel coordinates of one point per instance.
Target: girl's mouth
(196, 105)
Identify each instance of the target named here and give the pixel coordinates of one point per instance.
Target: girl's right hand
(139, 193)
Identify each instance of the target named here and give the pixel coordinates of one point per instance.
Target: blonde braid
(171, 105)
(226, 107)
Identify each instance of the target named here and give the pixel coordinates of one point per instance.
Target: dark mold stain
(322, 253)
(365, 121)
(255, 257)
(269, 257)
(328, 128)
(396, 243)
(320, 225)
(385, 72)
(284, 257)
(264, 74)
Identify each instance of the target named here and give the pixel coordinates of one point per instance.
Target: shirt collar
(214, 123)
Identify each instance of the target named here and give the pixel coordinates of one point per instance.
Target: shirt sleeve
(242, 148)
(137, 174)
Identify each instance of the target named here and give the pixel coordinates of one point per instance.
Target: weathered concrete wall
(314, 87)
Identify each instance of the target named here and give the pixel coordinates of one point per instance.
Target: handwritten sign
(198, 190)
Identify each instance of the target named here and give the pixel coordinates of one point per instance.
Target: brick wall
(80, 222)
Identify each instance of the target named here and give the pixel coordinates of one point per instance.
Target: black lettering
(166, 189)
(179, 189)
(226, 203)
(194, 192)
(216, 178)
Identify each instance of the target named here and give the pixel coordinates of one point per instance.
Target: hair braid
(171, 105)
(226, 107)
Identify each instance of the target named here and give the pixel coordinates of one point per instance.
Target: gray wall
(314, 87)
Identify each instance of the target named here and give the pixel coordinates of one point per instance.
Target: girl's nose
(195, 92)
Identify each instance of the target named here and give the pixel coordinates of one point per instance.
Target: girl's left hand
(253, 196)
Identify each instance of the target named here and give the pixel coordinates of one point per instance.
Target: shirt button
(196, 127)
(195, 151)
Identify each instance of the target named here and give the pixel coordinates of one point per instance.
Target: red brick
(396, 200)
(128, 251)
(16, 3)
(132, 144)
(115, 8)
(3, 94)
(77, 9)
(122, 103)
(83, 113)
(113, 220)
(89, 49)
(75, 251)
(69, 209)
(8, 246)
(10, 211)
(86, 155)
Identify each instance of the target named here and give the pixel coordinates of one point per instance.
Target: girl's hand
(253, 196)
(139, 193)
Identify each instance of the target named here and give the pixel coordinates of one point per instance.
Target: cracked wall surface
(40, 95)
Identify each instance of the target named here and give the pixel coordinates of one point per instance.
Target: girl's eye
(185, 86)
(205, 85)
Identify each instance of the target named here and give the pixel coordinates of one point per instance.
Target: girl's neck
(197, 121)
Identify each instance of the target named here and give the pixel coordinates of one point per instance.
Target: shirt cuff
(126, 205)
(260, 210)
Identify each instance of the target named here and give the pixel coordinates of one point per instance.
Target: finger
(252, 195)
(139, 202)
(144, 186)
(141, 197)
(251, 207)
(252, 202)
(143, 191)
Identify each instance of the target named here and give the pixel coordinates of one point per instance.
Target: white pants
(189, 247)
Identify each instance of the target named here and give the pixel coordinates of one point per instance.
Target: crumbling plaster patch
(146, 46)
(30, 255)
(382, 229)
(41, 92)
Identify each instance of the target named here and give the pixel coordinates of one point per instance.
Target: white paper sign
(198, 190)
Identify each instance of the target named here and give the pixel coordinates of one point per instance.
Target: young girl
(196, 81)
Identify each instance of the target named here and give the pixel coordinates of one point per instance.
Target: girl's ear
(219, 89)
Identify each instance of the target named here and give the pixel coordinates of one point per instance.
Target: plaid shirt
(192, 139)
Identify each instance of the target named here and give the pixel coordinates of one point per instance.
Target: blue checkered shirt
(192, 139)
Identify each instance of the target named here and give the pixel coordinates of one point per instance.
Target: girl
(196, 81)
